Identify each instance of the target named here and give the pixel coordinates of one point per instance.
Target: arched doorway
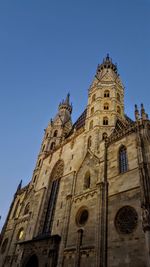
(32, 262)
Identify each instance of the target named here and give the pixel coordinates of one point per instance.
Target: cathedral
(88, 202)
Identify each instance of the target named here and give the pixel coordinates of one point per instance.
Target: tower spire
(65, 104)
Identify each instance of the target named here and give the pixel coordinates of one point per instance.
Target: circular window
(4, 245)
(82, 217)
(126, 220)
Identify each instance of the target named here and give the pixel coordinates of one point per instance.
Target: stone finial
(143, 114)
(136, 112)
(19, 186)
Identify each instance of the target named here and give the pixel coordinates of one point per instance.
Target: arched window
(20, 234)
(93, 98)
(87, 180)
(34, 179)
(15, 213)
(92, 110)
(91, 125)
(89, 141)
(104, 136)
(27, 208)
(106, 93)
(118, 96)
(56, 174)
(39, 163)
(106, 106)
(118, 110)
(123, 162)
(43, 148)
(105, 121)
(55, 133)
(52, 146)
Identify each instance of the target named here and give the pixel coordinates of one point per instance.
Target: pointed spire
(143, 114)
(67, 101)
(136, 112)
(19, 186)
(65, 104)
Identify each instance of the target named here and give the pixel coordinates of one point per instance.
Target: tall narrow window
(57, 173)
(93, 98)
(118, 96)
(55, 133)
(15, 213)
(118, 110)
(87, 180)
(105, 121)
(123, 162)
(104, 136)
(89, 141)
(27, 208)
(91, 125)
(52, 145)
(92, 110)
(43, 148)
(20, 234)
(39, 163)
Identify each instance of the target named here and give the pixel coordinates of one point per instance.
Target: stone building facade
(88, 202)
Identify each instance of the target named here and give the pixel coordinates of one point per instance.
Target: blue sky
(50, 47)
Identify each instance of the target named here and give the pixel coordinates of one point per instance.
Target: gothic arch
(58, 169)
(56, 174)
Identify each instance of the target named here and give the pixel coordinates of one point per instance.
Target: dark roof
(80, 122)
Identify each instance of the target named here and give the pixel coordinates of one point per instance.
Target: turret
(105, 99)
(56, 131)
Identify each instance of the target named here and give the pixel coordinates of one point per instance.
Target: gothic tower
(105, 99)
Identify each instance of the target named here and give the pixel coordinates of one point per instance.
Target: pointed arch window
(118, 110)
(39, 163)
(105, 121)
(118, 97)
(106, 106)
(104, 136)
(123, 162)
(20, 235)
(27, 209)
(43, 148)
(52, 146)
(91, 125)
(89, 141)
(55, 133)
(92, 110)
(93, 98)
(56, 174)
(15, 213)
(87, 180)
(106, 93)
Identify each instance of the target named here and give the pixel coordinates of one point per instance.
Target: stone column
(65, 230)
(79, 242)
(99, 219)
(102, 262)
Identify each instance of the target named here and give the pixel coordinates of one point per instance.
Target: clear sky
(50, 47)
